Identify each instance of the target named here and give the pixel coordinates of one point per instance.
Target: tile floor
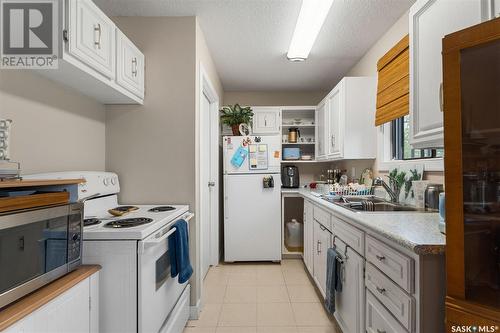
(261, 298)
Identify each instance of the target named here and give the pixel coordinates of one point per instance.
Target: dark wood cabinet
(471, 86)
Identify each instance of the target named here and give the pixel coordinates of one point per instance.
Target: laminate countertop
(416, 231)
(24, 306)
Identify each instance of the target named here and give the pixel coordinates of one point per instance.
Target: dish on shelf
(306, 157)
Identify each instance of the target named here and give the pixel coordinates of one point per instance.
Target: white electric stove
(137, 293)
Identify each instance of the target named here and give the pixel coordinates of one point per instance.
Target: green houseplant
(235, 115)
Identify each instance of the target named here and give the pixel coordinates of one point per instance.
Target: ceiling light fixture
(311, 18)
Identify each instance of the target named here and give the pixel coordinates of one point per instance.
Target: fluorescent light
(311, 18)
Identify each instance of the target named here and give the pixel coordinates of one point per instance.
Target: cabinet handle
(99, 32)
(265, 121)
(318, 247)
(380, 258)
(379, 331)
(134, 67)
(441, 97)
(380, 290)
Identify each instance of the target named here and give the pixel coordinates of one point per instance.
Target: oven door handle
(143, 246)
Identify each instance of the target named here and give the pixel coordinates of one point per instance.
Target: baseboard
(194, 311)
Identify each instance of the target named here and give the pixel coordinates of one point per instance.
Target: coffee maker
(290, 176)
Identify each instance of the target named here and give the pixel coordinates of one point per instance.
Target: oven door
(157, 291)
(33, 250)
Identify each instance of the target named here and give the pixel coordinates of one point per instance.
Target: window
(400, 143)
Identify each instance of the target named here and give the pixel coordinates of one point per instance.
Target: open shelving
(303, 118)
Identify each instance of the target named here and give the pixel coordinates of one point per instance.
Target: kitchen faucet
(380, 182)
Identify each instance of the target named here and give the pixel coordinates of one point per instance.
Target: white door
(321, 130)
(252, 218)
(92, 37)
(334, 127)
(350, 303)
(205, 218)
(430, 21)
(208, 186)
(129, 65)
(266, 120)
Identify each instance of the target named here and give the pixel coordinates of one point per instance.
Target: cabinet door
(92, 37)
(350, 302)
(266, 120)
(308, 235)
(322, 243)
(334, 136)
(378, 319)
(129, 65)
(430, 21)
(321, 127)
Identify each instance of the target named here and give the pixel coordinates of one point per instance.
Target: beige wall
(273, 98)
(367, 66)
(54, 128)
(153, 147)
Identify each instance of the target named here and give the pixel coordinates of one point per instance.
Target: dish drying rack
(350, 190)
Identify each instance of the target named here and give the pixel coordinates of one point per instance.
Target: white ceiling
(249, 39)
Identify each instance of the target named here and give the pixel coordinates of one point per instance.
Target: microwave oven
(38, 246)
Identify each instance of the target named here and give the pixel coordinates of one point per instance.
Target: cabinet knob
(380, 258)
(380, 290)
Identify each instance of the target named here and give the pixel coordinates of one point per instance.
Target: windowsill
(430, 164)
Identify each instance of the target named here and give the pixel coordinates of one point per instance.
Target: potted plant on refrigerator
(234, 116)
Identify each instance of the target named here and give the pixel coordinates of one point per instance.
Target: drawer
(323, 217)
(400, 304)
(378, 319)
(350, 235)
(392, 263)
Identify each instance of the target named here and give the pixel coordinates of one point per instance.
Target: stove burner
(91, 221)
(127, 223)
(161, 209)
(125, 208)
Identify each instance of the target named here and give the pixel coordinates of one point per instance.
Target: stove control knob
(105, 181)
(113, 181)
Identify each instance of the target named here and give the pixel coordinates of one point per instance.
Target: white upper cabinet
(334, 140)
(129, 65)
(266, 120)
(430, 21)
(346, 121)
(92, 37)
(321, 127)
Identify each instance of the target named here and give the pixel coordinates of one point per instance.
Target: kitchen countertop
(24, 306)
(416, 231)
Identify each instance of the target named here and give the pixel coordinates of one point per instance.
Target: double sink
(370, 204)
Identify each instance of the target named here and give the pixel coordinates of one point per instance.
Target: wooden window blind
(393, 86)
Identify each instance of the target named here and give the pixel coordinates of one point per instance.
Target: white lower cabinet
(382, 289)
(322, 241)
(378, 319)
(350, 303)
(308, 235)
(74, 311)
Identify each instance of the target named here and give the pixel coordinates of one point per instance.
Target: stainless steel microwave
(37, 247)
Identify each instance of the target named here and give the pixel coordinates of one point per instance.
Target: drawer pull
(97, 29)
(134, 67)
(380, 258)
(380, 290)
(380, 331)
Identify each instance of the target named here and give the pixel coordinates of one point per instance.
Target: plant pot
(236, 130)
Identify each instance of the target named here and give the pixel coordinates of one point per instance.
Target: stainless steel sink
(370, 204)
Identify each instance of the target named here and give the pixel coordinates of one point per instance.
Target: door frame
(206, 88)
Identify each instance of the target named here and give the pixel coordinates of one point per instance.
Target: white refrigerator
(252, 198)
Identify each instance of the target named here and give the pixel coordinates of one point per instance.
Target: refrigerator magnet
(239, 157)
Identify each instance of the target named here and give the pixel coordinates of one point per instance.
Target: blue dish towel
(178, 244)
(333, 278)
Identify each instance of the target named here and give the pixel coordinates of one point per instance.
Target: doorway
(209, 174)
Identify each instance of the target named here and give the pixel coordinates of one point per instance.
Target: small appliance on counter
(291, 153)
(432, 197)
(290, 176)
